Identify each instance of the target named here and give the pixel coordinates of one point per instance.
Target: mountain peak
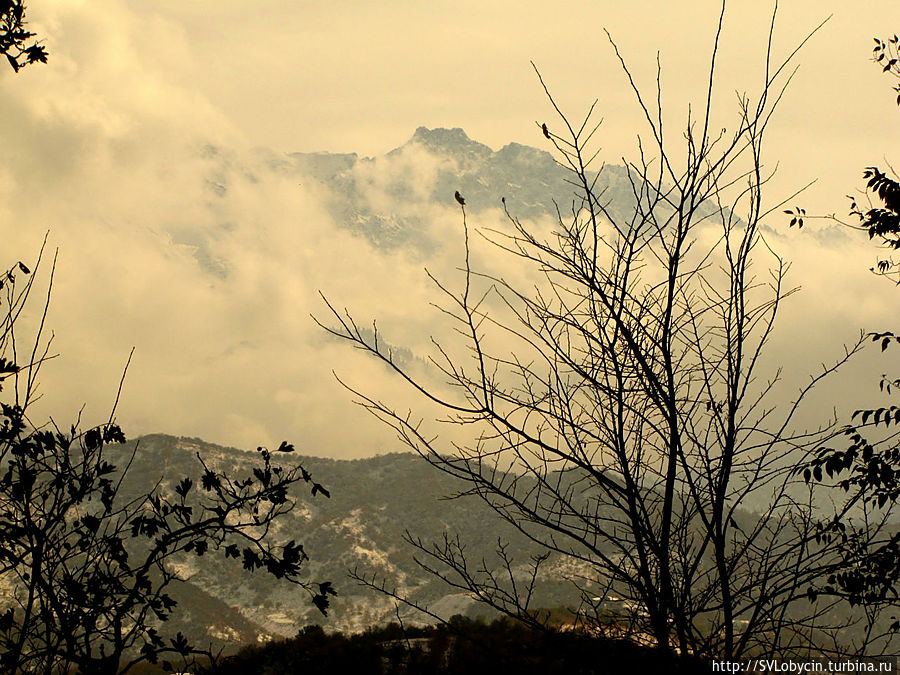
(449, 141)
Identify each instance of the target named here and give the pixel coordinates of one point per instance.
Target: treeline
(461, 647)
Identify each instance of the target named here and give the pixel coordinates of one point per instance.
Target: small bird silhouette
(545, 130)
(459, 198)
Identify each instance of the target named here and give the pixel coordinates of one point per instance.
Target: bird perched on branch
(459, 198)
(545, 130)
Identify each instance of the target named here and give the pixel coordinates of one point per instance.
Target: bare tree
(630, 421)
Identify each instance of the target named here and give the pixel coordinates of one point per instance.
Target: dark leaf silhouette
(184, 487)
(14, 37)
(322, 603)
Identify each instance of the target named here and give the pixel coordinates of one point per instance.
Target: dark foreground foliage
(866, 464)
(462, 647)
(87, 560)
(15, 39)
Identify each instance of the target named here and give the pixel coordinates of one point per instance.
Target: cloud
(177, 237)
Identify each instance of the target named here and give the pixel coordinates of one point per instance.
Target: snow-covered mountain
(373, 503)
(382, 198)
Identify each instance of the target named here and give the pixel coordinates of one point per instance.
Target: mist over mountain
(218, 254)
(383, 198)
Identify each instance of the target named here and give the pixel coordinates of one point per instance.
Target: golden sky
(103, 147)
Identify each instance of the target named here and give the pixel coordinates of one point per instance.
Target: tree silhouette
(879, 220)
(866, 468)
(618, 410)
(461, 646)
(88, 563)
(14, 37)
(886, 54)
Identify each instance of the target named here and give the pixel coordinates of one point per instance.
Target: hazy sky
(103, 147)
